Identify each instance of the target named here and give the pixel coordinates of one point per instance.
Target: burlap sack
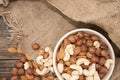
(104, 13)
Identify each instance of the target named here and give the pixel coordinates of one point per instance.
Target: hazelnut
(80, 34)
(84, 66)
(23, 78)
(35, 46)
(12, 50)
(89, 55)
(76, 50)
(30, 71)
(103, 46)
(82, 53)
(37, 78)
(94, 37)
(86, 34)
(102, 61)
(72, 39)
(98, 66)
(89, 43)
(82, 77)
(67, 63)
(87, 38)
(94, 59)
(92, 49)
(51, 78)
(3, 78)
(14, 78)
(19, 64)
(73, 60)
(101, 75)
(23, 58)
(21, 71)
(79, 42)
(104, 53)
(83, 48)
(98, 52)
(84, 41)
(14, 71)
(67, 69)
(45, 55)
(103, 69)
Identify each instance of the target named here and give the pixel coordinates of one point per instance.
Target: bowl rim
(91, 32)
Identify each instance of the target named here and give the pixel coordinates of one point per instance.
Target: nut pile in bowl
(83, 56)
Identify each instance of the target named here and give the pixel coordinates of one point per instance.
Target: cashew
(49, 50)
(108, 63)
(67, 56)
(60, 67)
(66, 76)
(48, 63)
(26, 65)
(79, 68)
(38, 60)
(96, 76)
(90, 78)
(74, 77)
(69, 49)
(82, 60)
(96, 44)
(90, 71)
(75, 72)
(42, 72)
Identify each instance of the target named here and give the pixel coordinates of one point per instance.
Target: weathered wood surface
(7, 60)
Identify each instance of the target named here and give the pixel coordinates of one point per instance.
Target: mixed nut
(27, 69)
(83, 56)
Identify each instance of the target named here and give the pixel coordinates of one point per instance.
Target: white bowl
(102, 38)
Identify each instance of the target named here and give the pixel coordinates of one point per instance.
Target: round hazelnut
(84, 66)
(37, 78)
(103, 46)
(94, 37)
(89, 55)
(76, 50)
(84, 41)
(98, 52)
(83, 48)
(101, 75)
(89, 43)
(30, 71)
(21, 71)
(23, 58)
(72, 39)
(102, 61)
(14, 78)
(80, 34)
(87, 38)
(79, 42)
(82, 77)
(92, 49)
(35, 46)
(86, 34)
(94, 59)
(66, 69)
(103, 69)
(104, 53)
(98, 66)
(73, 60)
(23, 78)
(14, 71)
(19, 64)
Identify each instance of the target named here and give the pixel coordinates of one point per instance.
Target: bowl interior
(102, 38)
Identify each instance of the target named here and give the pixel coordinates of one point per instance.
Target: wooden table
(7, 60)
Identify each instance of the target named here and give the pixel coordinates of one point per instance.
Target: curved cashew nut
(75, 72)
(60, 67)
(108, 63)
(96, 44)
(90, 71)
(38, 60)
(26, 65)
(67, 56)
(82, 60)
(66, 76)
(79, 68)
(74, 77)
(43, 72)
(48, 63)
(69, 49)
(96, 76)
(90, 78)
(49, 50)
